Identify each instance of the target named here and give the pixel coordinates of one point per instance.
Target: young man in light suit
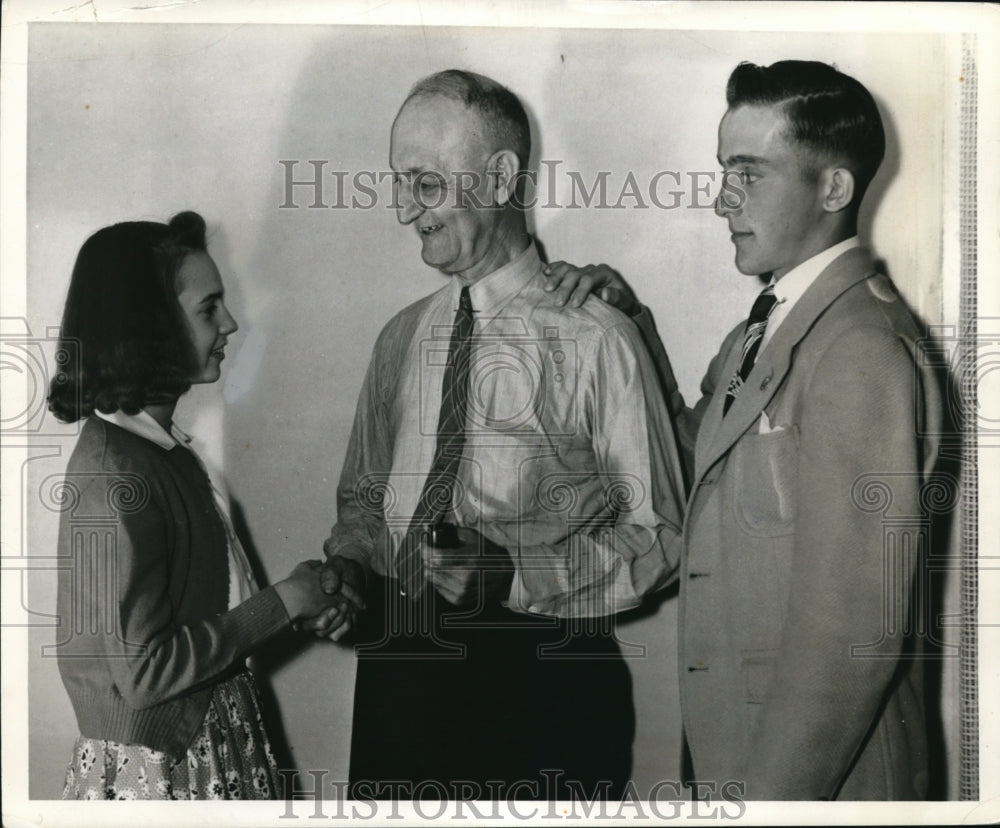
(815, 423)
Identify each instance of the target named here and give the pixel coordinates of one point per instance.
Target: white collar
(495, 289)
(143, 425)
(790, 287)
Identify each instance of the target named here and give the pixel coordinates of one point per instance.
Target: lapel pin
(765, 382)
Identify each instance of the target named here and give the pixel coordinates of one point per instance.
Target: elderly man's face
(439, 155)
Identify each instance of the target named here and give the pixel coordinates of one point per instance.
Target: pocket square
(765, 424)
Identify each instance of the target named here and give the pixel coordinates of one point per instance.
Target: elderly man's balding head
(504, 122)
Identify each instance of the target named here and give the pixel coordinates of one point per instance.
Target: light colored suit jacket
(802, 545)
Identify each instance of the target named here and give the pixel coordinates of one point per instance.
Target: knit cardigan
(144, 629)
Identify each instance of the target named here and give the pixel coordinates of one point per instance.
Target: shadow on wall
(886, 174)
(939, 644)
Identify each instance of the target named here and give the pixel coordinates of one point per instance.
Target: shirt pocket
(765, 474)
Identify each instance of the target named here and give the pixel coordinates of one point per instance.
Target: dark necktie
(756, 325)
(439, 488)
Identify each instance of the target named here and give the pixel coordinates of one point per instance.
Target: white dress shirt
(570, 462)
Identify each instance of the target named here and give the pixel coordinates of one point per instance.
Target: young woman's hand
(343, 580)
(302, 592)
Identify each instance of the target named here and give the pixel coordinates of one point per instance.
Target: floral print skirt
(229, 758)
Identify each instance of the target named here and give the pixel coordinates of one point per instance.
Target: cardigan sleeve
(154, 658)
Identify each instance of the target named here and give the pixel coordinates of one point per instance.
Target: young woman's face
(200, 292)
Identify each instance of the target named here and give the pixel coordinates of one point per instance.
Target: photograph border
(979, 326)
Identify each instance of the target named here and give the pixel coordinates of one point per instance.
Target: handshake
(325, 598)
(462, 566)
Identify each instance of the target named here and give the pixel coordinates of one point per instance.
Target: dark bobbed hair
(829, 112)
(124, 321)
(501, 112)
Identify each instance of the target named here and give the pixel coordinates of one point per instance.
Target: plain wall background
(141, 121)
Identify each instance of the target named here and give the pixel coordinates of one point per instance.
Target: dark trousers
(488, 704)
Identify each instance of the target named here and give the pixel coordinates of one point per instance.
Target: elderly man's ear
(503, 171)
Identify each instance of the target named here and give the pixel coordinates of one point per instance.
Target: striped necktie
(439, 488)
(756, 325)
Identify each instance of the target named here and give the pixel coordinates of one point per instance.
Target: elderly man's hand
(343, 579)
(476, 568)
(574, 284)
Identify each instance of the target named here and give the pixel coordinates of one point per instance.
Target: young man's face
(771, 194)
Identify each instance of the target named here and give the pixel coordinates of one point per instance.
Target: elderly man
(511, 482)
(800, 671)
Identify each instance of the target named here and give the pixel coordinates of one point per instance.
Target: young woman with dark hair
(158, 614)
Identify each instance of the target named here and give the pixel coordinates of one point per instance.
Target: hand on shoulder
(572, 285)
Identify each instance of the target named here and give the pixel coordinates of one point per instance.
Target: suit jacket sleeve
(824, 697)
(686, 420)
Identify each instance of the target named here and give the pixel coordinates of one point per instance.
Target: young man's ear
(838, 188)
(503, 170)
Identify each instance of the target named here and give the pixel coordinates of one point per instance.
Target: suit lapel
(774, 361)
(712, 419)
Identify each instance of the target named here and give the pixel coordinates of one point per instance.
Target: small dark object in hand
(444, 536)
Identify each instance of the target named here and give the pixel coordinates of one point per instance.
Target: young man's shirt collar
(790, 287)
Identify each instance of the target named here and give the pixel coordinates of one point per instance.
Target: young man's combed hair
(827, 111)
